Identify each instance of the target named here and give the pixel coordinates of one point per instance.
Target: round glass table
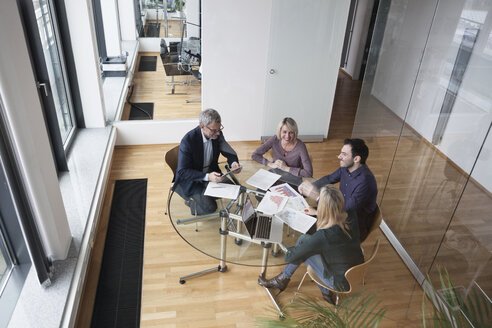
(222, 234)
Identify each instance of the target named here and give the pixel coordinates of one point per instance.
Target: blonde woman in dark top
(289, 153)
(330, 251)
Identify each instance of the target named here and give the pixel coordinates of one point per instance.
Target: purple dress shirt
(297, 159)
(359, 190)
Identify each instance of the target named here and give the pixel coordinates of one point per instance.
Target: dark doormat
(141, 111)
(147, 63)
(153, 30)
(118, 295)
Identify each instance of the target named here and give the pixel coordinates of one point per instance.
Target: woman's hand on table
(281, 165)
(311, 211)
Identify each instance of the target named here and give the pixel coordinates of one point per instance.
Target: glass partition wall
(425, 112)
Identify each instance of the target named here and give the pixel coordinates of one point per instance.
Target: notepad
(263, 179)
(222, 190)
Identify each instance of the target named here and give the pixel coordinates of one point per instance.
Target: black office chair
(171, 159)
(173, 66)
(195, 60)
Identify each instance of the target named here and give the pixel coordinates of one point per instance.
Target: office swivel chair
(173, 66)
(171, 159)
(355, 277)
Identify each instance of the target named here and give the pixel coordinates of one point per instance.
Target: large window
(40, 22)
(54, 65)
(14, 258)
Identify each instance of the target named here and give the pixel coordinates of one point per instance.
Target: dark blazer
(338, 251)
(190, 159)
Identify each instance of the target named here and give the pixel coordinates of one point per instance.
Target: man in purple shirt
(357, 183)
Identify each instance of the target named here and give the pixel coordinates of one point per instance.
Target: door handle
(43, 85)
(272, 71)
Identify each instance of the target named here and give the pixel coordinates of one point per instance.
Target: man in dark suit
(198, 162)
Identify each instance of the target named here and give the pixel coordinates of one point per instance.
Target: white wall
(84, 47)
(110, 17)
(26, 121)
(153, 132)
(127, 20)
(403, 44)
(234, 57)
(192, 12)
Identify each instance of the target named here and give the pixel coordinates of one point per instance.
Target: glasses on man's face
(214, 131)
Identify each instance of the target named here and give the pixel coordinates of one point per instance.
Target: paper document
(296, 220)
(222, 190)
(285, 190)
(272, 203)
(263, 179)
(296, 201)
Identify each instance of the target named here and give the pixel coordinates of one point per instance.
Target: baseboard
(304, 138)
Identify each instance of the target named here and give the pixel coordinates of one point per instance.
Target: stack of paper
(293, 214)
(296, 201)
(222, 190)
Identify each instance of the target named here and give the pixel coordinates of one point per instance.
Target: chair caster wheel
(181, 281)
(275, 254)
(281, 317)
(238, 241)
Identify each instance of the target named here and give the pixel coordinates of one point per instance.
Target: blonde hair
(291, 125)
(330, 209)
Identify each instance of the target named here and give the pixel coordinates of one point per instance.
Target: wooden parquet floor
(231, 299)
(152, 87)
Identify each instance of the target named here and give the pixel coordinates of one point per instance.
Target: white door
(306, 39)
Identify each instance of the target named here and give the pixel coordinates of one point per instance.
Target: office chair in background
(173, 66)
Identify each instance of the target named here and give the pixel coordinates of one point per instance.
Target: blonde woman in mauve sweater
(289, 153)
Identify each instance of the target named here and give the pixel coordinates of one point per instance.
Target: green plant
(456, 310)
(359, 310)
(179, 4)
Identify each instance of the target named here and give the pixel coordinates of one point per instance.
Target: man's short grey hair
(208, 116)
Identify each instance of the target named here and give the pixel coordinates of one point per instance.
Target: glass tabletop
(204, 232)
